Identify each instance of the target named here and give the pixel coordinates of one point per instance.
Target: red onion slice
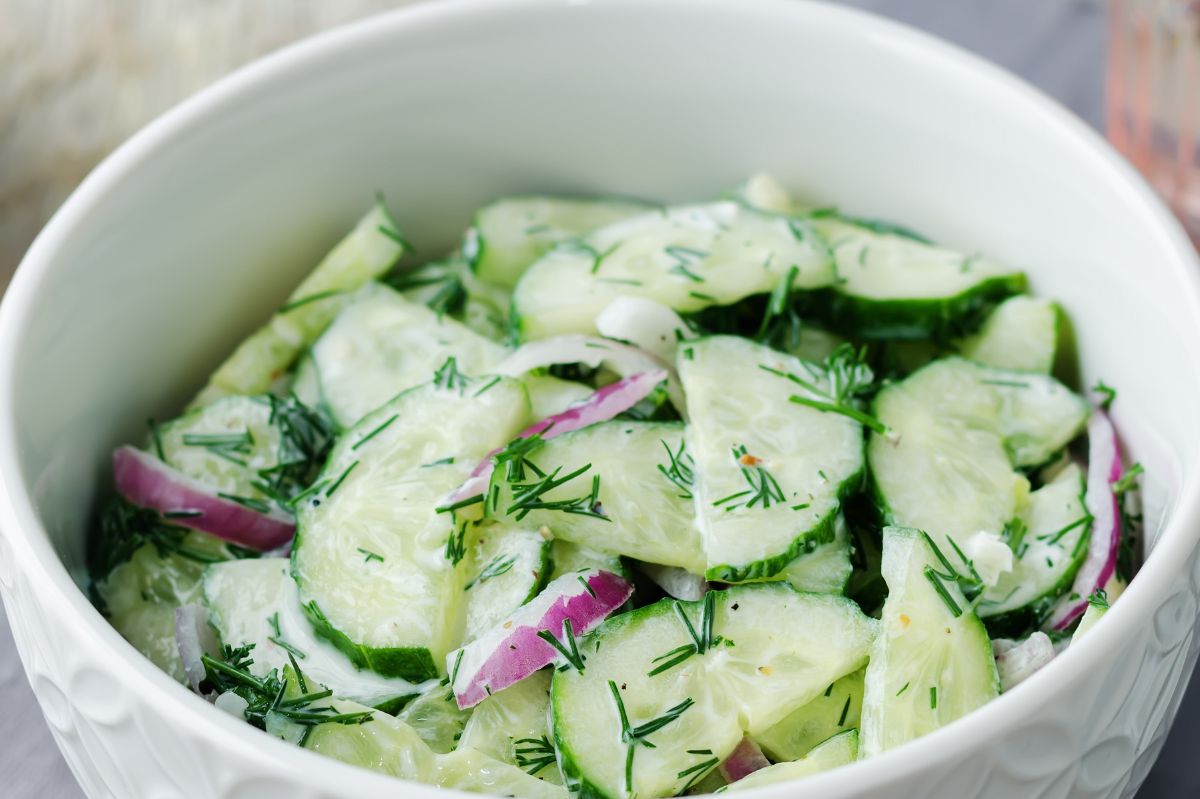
(1104, 468)
(146, 481)
(193, 638)
(601, 406)
(743, 761)
(512, 650)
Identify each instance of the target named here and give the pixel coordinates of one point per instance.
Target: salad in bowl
(626, 499)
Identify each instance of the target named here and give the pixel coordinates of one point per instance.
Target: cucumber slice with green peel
(377, 565)
(891, 286)
(946, 469)
(644, 682)
(370, 250)
(1021, 334)
(507, 566)
(436, 718)
(1038, 415)
(825, 570)
(253, 449)
(770, 473)
(570, 557)
(840, 750)
(510, 234)
(549, 395)
(685, 257)
(1050, 545)
(837, 710)
(932, 662)
(621, 503)
(512, 726)
(382, 344)
(255, 602)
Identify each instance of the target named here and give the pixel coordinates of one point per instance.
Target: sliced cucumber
(643, 666)
(1021, 334)
(1056, 528)
(892, 286)
(506, 567)
(635, 510)
(140, 597)
(837, 710)
(827, 569)
(468, 770)
(770, 472)
(685, 257)
(512, 233)
(369, 250)
(840, 750)
(1038, 415)
(570, 557)
(383, 344)
(259, 448)
(371, 552)
(932, 662)
(383, 744)
(255, 602)
(436, 718)
(549, 395)
(945, 470)
(512, 727)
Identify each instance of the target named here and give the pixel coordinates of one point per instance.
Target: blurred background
(77, 77)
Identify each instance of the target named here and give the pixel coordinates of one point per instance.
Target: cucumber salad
(621, 499)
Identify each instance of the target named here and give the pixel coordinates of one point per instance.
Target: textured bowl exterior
(174, 247)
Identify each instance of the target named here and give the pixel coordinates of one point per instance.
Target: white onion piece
(1018, 661)
(676, 582)
(624, 359)
(1104, 468)
(743, 761)
(193, 638)
(601, 406)
(146, 481)
(646, 324)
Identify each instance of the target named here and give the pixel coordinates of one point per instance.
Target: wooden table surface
(1055, 44)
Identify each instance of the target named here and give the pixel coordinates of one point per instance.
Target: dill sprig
(530, 496)
(679, 469)
(696, 772)
(781, 324)
(568, 647)
(228, 446)
(1128, 480)
(125, 528)
(1098, 599)
(971, 586)
(448, 377)
(497, 566)
(230, 672)
(685, 258)
(1014, 535)
(515, 457)
(702, 639)
(456, 544)
(1108, 393)
(305, 438)
(533, 754)
(449, 295)
(631, 736)
(849, 379)
(762, 487)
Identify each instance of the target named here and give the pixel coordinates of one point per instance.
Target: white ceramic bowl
(186, 237)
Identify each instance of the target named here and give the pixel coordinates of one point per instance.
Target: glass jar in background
(1153, 88)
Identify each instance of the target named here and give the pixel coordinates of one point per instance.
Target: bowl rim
(33, 556)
